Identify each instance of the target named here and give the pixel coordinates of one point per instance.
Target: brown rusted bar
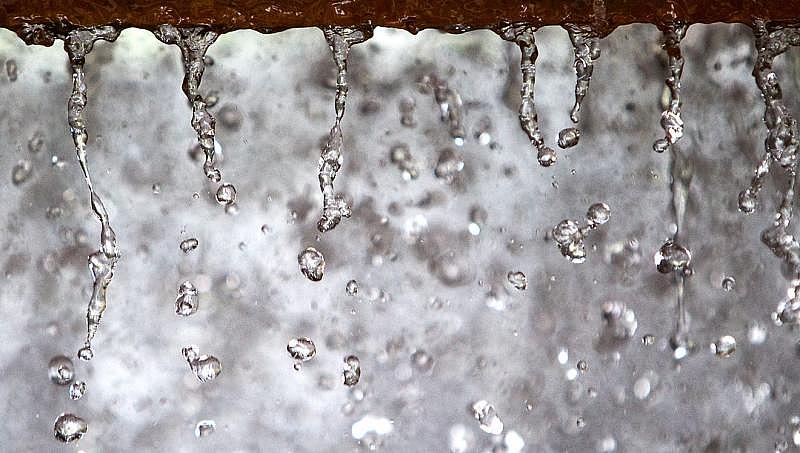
(412, 15)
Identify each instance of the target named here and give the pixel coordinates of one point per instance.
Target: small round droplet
(672, 257)
(487, 417)
(352, 288)
(312, 263)
(187, 301)
(724, 347)
(660, 145)
(85, 353)
(61, 370)
(226, 194)
(188, 245)
(598, 214)
(301, 349)
(518, 280)
(77, 390)
(352, 370)
(728, 283)
(204, 428)
(569, 137)
(69, 428)
(546, 156)
(582, 366)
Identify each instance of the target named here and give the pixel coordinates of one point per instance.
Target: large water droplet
(301, 349)
(69, 428)
(204, 428)
(226, 194)
(60, 370)
(77, 390)
(312, 263)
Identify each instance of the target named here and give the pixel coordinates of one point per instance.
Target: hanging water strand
(523, 36)
(194, 43)
(78, 43)
(671, 120)
(586, 46)
(334, 206)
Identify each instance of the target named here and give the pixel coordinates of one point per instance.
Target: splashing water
(671, 120)
(523, 36)
(78, 43)
(194, 43)
(586, 46)
(334, 206)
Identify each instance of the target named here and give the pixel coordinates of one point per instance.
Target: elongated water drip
(681, 173)
(78, 43)
(451, 107)
(671, 120)
(334, 206)
(194, 43)
(523, 36)
(586, 46)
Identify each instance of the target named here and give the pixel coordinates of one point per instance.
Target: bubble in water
(569, 137)
(619, 320)
(60, 370)
(598, 214)
(673, 257)
(352, 370)
(725, 346)
(69, 428)
(77, 390)
(312, 263)
(204, 428)
(188, 245)
(728, 283)
(187, 301)
(351, 288)
(226, 194)
(518, 280)
(205, 367)
(487, 417)
(21, 172)
(301, 349)
(449, 165)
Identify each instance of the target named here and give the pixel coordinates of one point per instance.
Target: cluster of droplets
(569, 234)
(671, 120)
(67, 427)
(205, 367)
(334, 206)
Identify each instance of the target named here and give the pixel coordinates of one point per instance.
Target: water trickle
(78, 43)
(204, 428)
(487, 417)
(187, 245)
(569, 234)
(194, 43)
(724, 347)
(312, 263)
(60, 370)
(334, 206)
(671, 120)
(77, 390)
(586, 46)
(69, 428)
(351, 372)
(523, 36)
(518, 280)
(188, 299)
(205, 367)
(301, 349)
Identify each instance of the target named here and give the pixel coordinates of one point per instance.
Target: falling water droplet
(487, 417)
(586, 46)
(673, 257)
(312, 263)
(69, 428)
(226, 194)
(204, 428)
(205, 367)
(187, 245)
(728, 283)
(351, 288)
(301, 349)
(352, 370)
(518, 280)
(407, 107)
(77, 390)
(724, 347)
(598, 214)
(60, 370)
(187, 301)
(568, 137)
(582, 366)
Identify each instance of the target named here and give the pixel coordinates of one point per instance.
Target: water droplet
(582, 366)
(648, 340)
(725, 346)
(312, 264)
(226, 194)
(422, 361)
(85, 353)
(77, 390)
(352, 288)
(756, 333)
(620, 320)
(368, 427)
(205, 367)
(598, 214)
(351, 371)
(487, 417)
(568, 137)
(401, 156)
(641, 388)
(546, 156)
(156, 188)
(580, 422)
(69, 428)
(11, 70)
(188, 245)
(21, 172)
(673, 257)
(61, 370)
(449, 165)
(747, 201)
(518, 280)
(301, 349)
(204, 428)
(36, 143)
(187, 301)
(728, 283)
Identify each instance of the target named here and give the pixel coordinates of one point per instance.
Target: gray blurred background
(425, 282)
